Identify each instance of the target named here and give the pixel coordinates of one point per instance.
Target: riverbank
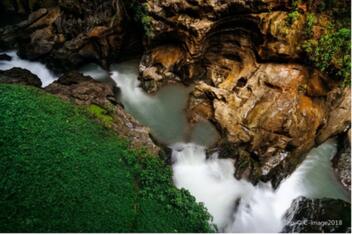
(63, 172)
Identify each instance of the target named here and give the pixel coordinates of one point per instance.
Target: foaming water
(39, 69)
(95, 71)
(237, 205)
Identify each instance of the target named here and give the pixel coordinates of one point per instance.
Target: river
(236, 205)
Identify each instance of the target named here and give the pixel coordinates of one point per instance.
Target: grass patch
(60, 171)
(101, 114)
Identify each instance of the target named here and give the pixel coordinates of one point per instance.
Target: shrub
(331, 53)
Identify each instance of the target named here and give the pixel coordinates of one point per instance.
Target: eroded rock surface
(71, 34)
(244, 57)
(205, 34)
(318, 216)
(245, 60)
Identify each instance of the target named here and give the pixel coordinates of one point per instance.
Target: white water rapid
(236, 205)
(44, 74)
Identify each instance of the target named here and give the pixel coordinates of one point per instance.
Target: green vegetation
(310, 21)
(139, 12)
(295, 3)
(101, 114)
(63, 172)
(292, 17)
(331, 53)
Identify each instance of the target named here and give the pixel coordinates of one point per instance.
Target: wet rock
(244, 59)
(269, 113)
(339, 118)
(318, 216)
(5, 57)
(71, 34)
(197, 31)
(20, 76)
(160, 65)
(25, 7)
(100, 100)
(342, 161)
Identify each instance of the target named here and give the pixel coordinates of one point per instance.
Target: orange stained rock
(167, 55)
(97, 31)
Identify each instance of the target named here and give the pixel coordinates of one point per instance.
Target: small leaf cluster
(331, 53)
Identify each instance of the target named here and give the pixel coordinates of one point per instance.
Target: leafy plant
(310, 21)
(292, 17)
(331, 53)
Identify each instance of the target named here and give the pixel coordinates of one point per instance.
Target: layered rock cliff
(251, 75)
(73, 33)
(251, 78)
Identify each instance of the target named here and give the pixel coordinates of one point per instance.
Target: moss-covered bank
(60, 171)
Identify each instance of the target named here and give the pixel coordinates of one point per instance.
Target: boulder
(318, 216)
(100, 101)
(269, 115)
(342, 161)
(5, 57)
(20, 76)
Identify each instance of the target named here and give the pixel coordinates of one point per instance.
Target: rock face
(72, 33)
(208, 37)
(20, 76)
(100, 100)
(318, 216)
(243, 57)
(342, 161)
(25, 6)
(245, 61)
(5, 57)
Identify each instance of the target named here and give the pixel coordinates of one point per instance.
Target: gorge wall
(251, 76)
(73, 33)
(250, 72)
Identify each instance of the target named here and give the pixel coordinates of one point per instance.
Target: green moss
(60, 171)
(292, 17)
(101, 114)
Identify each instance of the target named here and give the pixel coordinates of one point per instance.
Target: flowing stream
(236, 205)
(45, 75)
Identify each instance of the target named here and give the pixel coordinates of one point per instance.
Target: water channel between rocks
(236, 205)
